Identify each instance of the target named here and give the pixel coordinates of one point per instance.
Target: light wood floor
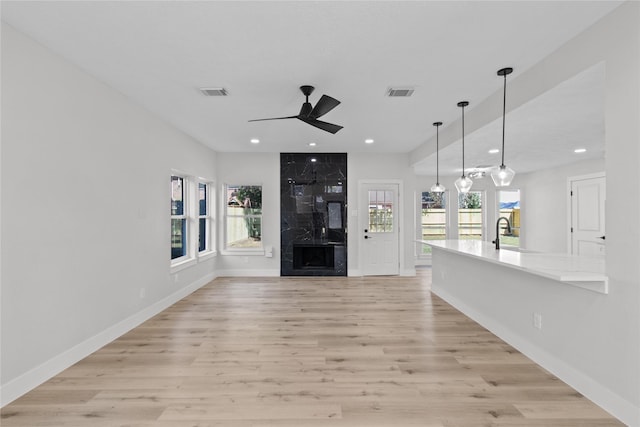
(307, 352)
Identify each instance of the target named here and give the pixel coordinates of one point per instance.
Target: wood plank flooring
(265, 352)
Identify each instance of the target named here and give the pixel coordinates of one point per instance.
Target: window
(470, 215)
(205, 228)
(433, 218)
(192, 228)
(179, 237)
(243, 217)
(509, 207)
(380, 211)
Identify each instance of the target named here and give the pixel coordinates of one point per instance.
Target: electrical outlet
(537, 320)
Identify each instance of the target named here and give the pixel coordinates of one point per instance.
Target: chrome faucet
(497, 241)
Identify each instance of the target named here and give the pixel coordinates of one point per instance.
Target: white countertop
(581, 271)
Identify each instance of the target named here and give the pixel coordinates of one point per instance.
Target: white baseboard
(249, 273)
(405, 272)
(617, 406)
(52, 367)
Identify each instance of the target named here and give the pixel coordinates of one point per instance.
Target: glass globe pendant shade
(463, 184)
(502, 176)
(437, 188)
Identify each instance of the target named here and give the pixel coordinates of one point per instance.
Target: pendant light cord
(504, 112)
(463, 141)
(437, 155)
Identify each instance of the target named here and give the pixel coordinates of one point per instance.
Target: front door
(380, 232)
(587, 216)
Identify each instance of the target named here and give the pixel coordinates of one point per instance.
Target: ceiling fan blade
(329, 127)
(274, 118)
(324, 105)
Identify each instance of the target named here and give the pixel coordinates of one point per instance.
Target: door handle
(601, 237)
(367, 237)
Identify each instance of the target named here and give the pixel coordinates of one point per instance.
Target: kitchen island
(584, 272)
(547, 306)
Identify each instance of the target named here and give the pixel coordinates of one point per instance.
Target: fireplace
(313, 214)
(313, 257)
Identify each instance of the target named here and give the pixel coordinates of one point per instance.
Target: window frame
(191, 216)
(209, 217)
(188, 258)
(226, 250)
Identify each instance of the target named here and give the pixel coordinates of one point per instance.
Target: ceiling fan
(309, 114)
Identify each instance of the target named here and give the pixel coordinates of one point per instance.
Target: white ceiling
(160, 53)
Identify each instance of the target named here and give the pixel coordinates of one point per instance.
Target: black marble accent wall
(313, 214)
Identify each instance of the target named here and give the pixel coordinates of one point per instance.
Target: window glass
(203, 198)
(470, 215)
(509, 207)
(177, 195)
(433, 218)
(380, 211)
(243, 217)
(203, 218)
(178, 219)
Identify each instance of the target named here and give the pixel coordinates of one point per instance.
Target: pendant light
(437, 187)
(463, 184)
(502, 175)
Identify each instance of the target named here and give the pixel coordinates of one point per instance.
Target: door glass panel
(509, 205)
(433, 218)
(380, 211)
(470, 217)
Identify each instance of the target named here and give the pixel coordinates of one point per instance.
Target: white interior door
(587, 216)
(379, 234)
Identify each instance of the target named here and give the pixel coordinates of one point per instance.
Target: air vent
(400, 91)
(213, 91)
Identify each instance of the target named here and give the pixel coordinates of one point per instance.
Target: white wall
(252, 169)
(264, 169)
(85, 213)
(380, 167)
(545, 205)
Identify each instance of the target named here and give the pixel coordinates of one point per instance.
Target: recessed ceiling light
(368, 141)
(312, 144)
(255, 141)
(579, 150)
(494, 151)
(313, 159)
